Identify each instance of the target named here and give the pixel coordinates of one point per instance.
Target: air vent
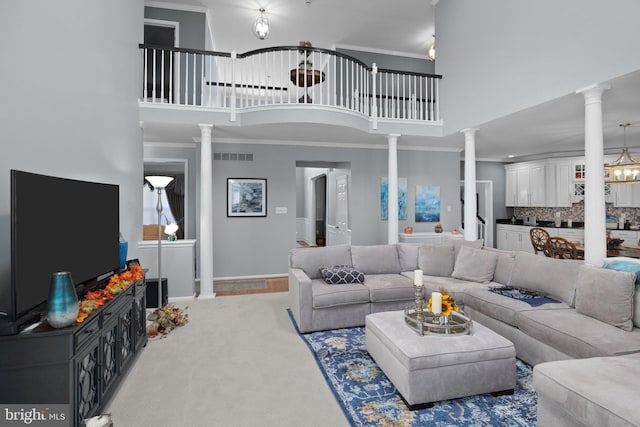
(242, 157)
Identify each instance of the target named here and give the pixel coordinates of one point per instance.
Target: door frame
(488, 197)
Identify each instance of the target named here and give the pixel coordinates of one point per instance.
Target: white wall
(500, 56)
(69, 108)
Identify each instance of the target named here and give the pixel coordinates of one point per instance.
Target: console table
(431, 238)
(80, 365)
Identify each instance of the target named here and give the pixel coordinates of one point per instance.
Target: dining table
(617, 251)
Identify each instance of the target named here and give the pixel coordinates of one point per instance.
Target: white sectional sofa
(594, 316)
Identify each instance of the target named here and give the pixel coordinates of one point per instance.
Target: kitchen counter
(546, 224)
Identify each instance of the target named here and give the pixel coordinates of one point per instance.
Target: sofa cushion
(325, 295)
(577, 335)
(500, 307)
(389, 287)
(376, 259)
(474, 265)
(459, 243)
(601, 391)
(310, 260)
(504, 265)
(454, 287)
(628, 264)
(341, 274)
(556, 278)
(606, 295)
(408, 255)
(436, 260)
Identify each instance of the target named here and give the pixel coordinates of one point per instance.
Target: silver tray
(432, 324)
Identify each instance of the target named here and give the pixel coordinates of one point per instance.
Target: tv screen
(59, 224)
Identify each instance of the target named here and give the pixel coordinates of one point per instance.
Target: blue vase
(124, 246)
(62, 307)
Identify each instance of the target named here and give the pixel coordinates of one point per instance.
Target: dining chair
(539, 238)
(560, 247)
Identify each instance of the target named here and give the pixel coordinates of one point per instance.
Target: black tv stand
(80, 365)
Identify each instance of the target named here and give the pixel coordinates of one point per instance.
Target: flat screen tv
(59, 224)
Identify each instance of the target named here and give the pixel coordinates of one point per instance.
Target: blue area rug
(368, 398)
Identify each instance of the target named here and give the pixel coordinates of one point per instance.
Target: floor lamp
(159, 182)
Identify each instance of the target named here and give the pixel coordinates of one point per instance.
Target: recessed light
(511, 156)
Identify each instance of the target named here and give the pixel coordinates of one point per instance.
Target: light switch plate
(281, 209)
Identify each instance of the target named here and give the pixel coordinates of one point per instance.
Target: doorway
(320, 195)
(160, 67)
(484, 210)
(322, 203)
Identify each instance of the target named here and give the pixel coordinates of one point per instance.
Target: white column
(392, 180)
(470, 208)
(206, 213)
(595, 239)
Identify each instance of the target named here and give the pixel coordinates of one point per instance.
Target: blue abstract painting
(427, 203)
(402, 198)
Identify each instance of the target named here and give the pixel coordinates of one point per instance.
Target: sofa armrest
(300, 298)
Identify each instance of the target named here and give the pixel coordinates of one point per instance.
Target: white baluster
(374, 107)
(153, 91)
(178, 77)
(195, 80)
(234, 56)
(162, 76)
(171, 77)
(146, 73)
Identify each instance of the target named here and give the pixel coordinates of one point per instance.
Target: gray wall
(69, 102)
(256, 246)
(500, 56)
(392, 62)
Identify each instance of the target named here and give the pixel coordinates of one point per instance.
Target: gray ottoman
(427, 369)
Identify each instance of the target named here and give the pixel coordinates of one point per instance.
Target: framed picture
(246, 197)
(384, 198)
(427, 203)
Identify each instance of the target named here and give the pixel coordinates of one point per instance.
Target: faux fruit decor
(408, 230)
(454, 231)
(438, 228)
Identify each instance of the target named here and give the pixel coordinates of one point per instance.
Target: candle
(436, 303)
(417, 278)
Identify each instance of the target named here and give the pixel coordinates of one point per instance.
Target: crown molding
(380, 51)
(176, 6)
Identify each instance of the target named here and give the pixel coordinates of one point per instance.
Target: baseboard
(258, 276)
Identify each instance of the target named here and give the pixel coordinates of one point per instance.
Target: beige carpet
(239, 362)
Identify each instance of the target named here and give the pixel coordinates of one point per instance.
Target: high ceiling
(401, 27)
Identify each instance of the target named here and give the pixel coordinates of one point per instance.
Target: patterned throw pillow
(341, 274)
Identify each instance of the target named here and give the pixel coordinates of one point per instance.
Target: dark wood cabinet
(79, 365)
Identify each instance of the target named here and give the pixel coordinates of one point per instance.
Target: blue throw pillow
(341, 274)
(631, 266)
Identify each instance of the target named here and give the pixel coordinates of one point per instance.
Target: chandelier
(261, 26)
(625, 169)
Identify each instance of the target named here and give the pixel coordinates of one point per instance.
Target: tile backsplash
(575, 213)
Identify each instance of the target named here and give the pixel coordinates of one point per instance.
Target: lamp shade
(171, 229)
(159, 181)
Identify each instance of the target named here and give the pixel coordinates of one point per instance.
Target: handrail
(279, 75)
(280, 48)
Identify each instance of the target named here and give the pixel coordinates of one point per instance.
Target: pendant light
(261, 26)
(625, 169)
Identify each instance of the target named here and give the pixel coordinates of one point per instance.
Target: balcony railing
(286, 75)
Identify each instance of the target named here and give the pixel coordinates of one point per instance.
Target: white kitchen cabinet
(630, 237)
(558, 183)
(626, 195)
(571, 234)
(525, 184)
(513, 238)
(511, 186)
